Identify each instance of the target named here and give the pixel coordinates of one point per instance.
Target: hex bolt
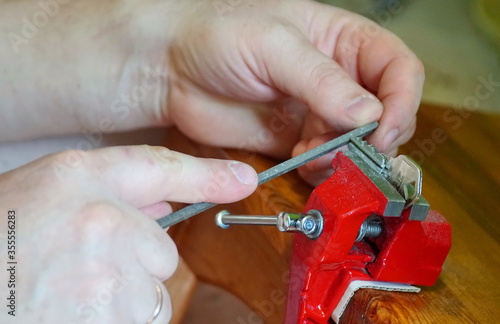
(223, 219)
(310, 224)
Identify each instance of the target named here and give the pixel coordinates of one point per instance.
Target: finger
(400, 91)
(139, 239)
(297, 68)
(388, 65)
(315, 178)
(154, 249)
(146, 247)
(403, 138)
(149, 299)
(375, 58)
(393, 153)
(396, 141)
(314, 126)
(166, 311)
(158, 210)
(323, 162)
(318, 170)
(145, 175)
(271, 129)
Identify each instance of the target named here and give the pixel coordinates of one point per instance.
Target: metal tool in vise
(367, 226)
(275, 171)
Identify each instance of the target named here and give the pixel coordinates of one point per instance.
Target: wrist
(152, 28)
(93, 65)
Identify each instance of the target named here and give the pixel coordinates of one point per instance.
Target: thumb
(300, 70)
(145, 175)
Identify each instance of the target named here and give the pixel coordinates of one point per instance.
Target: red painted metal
(408, 251)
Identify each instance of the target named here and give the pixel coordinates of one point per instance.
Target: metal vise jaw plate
(395, 202)
(400, 179)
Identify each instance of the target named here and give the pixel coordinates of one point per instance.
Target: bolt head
(308, 224)
(219, 219)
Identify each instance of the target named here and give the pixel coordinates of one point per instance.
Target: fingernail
(389, 138)
(364, 109)
(243, 172)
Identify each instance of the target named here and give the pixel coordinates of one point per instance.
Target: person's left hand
(80, 228)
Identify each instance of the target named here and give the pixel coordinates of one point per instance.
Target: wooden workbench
(459, 153)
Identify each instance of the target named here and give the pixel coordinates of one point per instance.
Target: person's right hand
(88, 249)
(282, 77)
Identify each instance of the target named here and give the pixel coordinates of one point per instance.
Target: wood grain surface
(459, 153)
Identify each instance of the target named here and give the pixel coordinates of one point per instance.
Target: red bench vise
(377, 232)
(367, 226)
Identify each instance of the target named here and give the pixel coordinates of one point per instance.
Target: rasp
(274, 172)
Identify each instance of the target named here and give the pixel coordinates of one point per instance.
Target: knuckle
(171, 165)
(99, 219)
(279, 32)
(411, 130)
(279, 29)
(324, 76)
(419, 68)
(170, 161)
(171, 260)
(65, 162)
(57, 169)
(72, 158)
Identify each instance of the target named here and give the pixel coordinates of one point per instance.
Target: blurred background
(457, 40)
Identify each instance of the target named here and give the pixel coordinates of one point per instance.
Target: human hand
(347, 71)
(88, 249)
(268, 76)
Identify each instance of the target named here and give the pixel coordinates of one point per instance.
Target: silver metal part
(371, 228)
(370, 152)
(400, 178)
(395, 202)
(274, 172)
(406, 176)
(223, 219)
(419, 209)
(310, 224)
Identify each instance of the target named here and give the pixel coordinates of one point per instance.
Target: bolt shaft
(227, 219)
(310, 224)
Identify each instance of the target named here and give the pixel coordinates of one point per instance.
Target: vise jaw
(378, 232)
